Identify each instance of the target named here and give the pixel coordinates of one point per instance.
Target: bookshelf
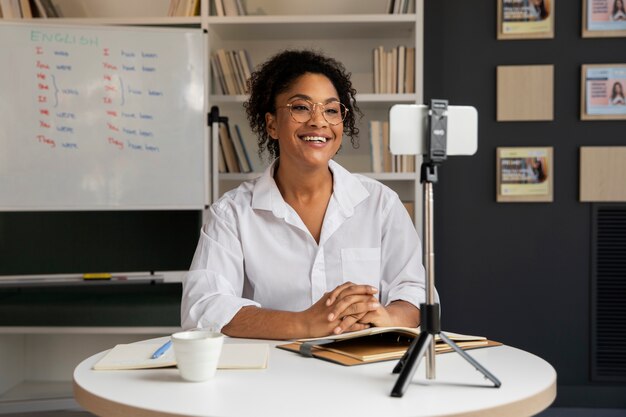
(348, 30)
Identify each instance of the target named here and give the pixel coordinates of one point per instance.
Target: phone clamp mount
(424, 344)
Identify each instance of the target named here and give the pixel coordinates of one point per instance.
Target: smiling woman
(287, 255)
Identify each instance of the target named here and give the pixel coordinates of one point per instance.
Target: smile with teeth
(319, 139)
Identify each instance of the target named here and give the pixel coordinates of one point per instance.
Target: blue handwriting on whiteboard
(60, 37)
(134, 91)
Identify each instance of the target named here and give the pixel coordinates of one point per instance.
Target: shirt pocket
(361, 265)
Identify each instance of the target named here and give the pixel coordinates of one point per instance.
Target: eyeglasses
(302, 111)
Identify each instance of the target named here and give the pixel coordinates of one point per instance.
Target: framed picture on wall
(603, 92)
(525, 19)
(604, 18)
(524, 174)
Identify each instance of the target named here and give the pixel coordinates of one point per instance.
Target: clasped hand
(347, 308)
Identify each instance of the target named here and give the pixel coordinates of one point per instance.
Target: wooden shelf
(299, 27)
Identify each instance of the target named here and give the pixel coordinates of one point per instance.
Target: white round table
(295, 386)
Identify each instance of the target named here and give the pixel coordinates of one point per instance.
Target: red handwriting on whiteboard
(45, 112)
(47, 141)
(117, 143)
(42, 99)
(111, 113)
(108, 66)
(42, 86)
(112, 127)
(44, 124)
(107, 100)
(41, 65)
(41, 76)
(108, 78)
(38, 50)
(106, 52)
(110, 88)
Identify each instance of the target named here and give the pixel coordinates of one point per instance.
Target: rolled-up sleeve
(402, 270)
(213, 287)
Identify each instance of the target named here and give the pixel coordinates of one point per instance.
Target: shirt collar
(347, 190)
(266, 195)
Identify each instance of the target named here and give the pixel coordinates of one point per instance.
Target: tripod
(430, 326)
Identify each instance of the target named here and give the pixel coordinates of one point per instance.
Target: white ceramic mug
(197, 353)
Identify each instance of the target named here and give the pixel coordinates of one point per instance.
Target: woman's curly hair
(276, 75)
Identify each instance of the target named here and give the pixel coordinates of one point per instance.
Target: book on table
(376, 344)
(139, 356)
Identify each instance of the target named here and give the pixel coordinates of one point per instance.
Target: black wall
(518, 272)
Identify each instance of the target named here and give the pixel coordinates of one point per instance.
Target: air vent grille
(609, 293)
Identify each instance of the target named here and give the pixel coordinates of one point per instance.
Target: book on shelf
(6, 7)
(376, 344)
(232, 69)
(376, 145)
(394, 70)
(26, 10)
(233, 151)
(399, 6)
(228, 148)
(218, 75)
(242, 152)
(49, 8)
(387, 157)
(227, 8)
(182, 8)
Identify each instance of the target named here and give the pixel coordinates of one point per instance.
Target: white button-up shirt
(255, 250)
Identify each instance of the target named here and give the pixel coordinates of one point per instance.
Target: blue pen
(160, 351)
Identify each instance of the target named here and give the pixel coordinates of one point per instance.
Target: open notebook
(375, 344)
(137, 356)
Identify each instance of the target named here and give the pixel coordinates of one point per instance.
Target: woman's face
(313, 143)
(537, 3)
(618, 88)
(619, 4)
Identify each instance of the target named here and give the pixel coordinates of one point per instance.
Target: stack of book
(231, 70)
(233, 156)
(227, 8)
(382, 158)
(400, 6)
(394, 70)
(184, 8)
(25, 9)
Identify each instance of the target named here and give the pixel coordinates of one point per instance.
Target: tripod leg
(411, 364)
(398, 368)
(468, 358)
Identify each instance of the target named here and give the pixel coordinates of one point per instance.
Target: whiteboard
(99, 118)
